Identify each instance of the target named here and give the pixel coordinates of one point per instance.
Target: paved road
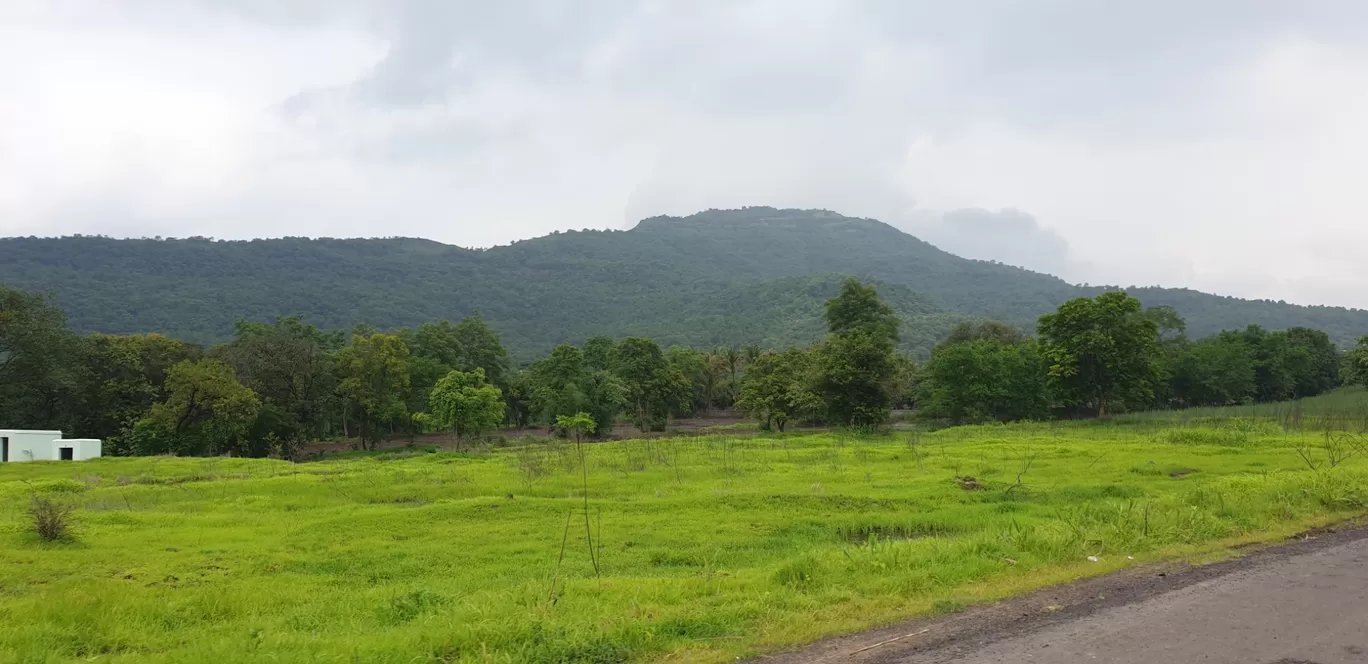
(1302, 602)
(1302, 609)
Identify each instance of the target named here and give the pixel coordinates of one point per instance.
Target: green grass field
(708, 549)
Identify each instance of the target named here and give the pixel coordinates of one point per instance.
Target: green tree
(774, 388)
(854, 367)
(518, 398)
(374, 383)
(598, 353)
(112, 391)
(481, 348)
(1356, 363)
(556, 384)
(1217, 371)
(1102, 352)
(466, 404)
(991, 330)
(37, 378)
(1319, 372)
(289, 365)
(858, 307)
(654, 387)
(576, 426)
(987, 379)
(207, 411)
(693, 366)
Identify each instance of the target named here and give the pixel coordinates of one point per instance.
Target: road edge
(981, 625)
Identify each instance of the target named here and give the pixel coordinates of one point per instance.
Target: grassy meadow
(703, 549)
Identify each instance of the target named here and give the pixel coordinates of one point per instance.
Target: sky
(1220, 145)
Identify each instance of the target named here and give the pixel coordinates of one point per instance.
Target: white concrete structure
(30, 445)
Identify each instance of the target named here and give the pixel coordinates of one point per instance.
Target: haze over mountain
(755, 275)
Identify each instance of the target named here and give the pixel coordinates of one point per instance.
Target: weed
(51, 520)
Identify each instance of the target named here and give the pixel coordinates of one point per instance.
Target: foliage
(990, 330)
(1356, 363)
(1218, 371)
(654, 387)
(576, 426)
(35, 382)
(1102, 352)
(289, 365)
(854, 368)
(207, 411)
(987, 379)
(775, 388)
(374, 372)
(858, 307)
(721, 277)
(50, 520)
(466, 404)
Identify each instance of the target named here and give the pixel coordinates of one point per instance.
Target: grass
(711, 548)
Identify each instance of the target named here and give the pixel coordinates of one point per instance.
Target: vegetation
(718, 278)
(707, 548)
(277, 387)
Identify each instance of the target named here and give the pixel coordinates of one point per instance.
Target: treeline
(275, 387)
(1106, 354)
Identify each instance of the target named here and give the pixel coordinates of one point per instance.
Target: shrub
(51, 521)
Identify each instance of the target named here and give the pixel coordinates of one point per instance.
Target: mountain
(731, 276)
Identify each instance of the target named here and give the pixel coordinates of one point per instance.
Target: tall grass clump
(50, 520)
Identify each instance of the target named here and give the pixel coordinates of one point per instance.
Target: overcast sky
(1220, 144)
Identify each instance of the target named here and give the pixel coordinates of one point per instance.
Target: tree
(1217, 371)
(986, 379)
(557, 384)
(374, 372)
(207, 411)
(112, 391)
(774, 389)
(467, 405)
(858, 307)
(562, 384)
(576, 426)
(1319, 372)
(854, 367)
(1102, 352)
(1356, 363)
(518, 399)
(693, 366)
(289, 365)
(654, 387)
(481, 348)
(36, 375)
(598, 353)
(991, 330)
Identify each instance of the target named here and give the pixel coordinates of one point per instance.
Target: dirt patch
(955, 635)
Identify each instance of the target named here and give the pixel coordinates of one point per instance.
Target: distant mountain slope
(738, 276)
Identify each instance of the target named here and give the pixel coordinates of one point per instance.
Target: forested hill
(739, 276)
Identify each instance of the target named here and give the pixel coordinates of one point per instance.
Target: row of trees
(1095, 356)
(278, 385)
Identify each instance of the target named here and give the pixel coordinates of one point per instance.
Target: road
(1303, 603)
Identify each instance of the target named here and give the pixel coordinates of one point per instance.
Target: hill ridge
(569, 285)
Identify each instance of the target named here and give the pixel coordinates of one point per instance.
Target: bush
(51, 521)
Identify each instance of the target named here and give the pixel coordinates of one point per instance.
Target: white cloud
(1216, 145)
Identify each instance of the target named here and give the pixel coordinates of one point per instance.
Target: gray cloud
(1158, 142)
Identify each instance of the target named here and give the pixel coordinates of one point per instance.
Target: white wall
(82, 448)
(29, 445)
